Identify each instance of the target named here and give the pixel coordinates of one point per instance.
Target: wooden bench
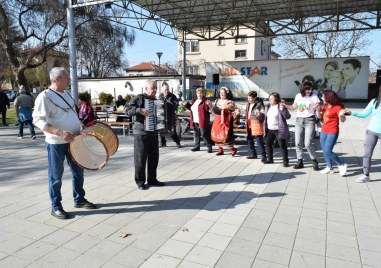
(124, 125)
(241, 132)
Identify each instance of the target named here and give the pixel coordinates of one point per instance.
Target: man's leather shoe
(252, 157)
(85, 204)
(156, 183)
(210, 150)
(60, 214)
(142, 187)
(195, 149)
(269, 161)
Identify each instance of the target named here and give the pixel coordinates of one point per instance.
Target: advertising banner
(346, 76)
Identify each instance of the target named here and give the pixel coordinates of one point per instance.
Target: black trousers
(271, 136)
(4, 115)
(146, 154)
(173, 134)
(201, 132)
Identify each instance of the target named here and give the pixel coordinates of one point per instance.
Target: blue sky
(147, 44)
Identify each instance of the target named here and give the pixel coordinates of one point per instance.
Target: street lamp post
(159, 54)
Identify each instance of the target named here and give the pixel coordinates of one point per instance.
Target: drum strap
(65, 100)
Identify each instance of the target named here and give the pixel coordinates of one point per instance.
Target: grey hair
(150, 83)
(56, 72)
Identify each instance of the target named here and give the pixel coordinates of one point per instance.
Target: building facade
(242, 48)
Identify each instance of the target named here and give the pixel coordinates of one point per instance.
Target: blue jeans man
(260, 144)
(56, 157)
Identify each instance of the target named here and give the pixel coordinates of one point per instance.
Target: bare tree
(37, 24)
(321, 45)
(100, 48)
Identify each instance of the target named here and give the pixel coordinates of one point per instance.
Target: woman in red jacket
(86, 112)
(200, 119)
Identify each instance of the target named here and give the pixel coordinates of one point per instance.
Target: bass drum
(94, 146)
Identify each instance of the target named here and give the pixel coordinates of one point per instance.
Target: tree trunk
(20, 76)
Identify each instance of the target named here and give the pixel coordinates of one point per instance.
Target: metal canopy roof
(208, 19)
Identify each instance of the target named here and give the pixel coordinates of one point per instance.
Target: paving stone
(12, 261)
(343, 253)
(310, 246)
(131, 257)
(336, 263)
(342, 239)
(371, 258)
(215, 241)
(176, 249)
(244, 247)
(204, 255)
(87, 261)
(279, 240)
(224, 229)
(274, 254)
(306, 260)
(158, 261)
(228, 260)
(34, 251)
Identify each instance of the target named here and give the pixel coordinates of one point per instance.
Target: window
(192, 69)
(221, 41)
(241, 39)
(191, 46)
(240, 54)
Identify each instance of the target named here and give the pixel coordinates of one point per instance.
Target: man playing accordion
(146, 142)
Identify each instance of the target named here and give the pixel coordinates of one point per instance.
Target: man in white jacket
(55, 114)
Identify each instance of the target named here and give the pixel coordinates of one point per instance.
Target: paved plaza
(215, 211)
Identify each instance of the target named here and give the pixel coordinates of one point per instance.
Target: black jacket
(172, 103)
(4, 101)
(133, 109)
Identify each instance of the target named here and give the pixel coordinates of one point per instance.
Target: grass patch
(11, 116)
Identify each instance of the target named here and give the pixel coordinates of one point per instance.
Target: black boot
(315, 164)
(299, 164)
(268, 161)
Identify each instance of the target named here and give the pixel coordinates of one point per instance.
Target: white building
(133, 85)
(242, 48)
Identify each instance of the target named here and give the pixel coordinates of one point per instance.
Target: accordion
(157, 115)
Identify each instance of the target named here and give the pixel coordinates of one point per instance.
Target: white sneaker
(327, 170)
(20, 137)
(343, 170)
(363, 178)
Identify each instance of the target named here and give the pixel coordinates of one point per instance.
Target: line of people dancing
(266, 124)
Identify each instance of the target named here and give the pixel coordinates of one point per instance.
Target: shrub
(128, 98)
(85, 95)
(105, 98)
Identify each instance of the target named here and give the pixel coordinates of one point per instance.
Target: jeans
(327, 142)
(56, 157)
(260, 144)
(371, 139)
(30, 125)
(304, 129)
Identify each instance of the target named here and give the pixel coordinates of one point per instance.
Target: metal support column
(184, 72)
(72, 51)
